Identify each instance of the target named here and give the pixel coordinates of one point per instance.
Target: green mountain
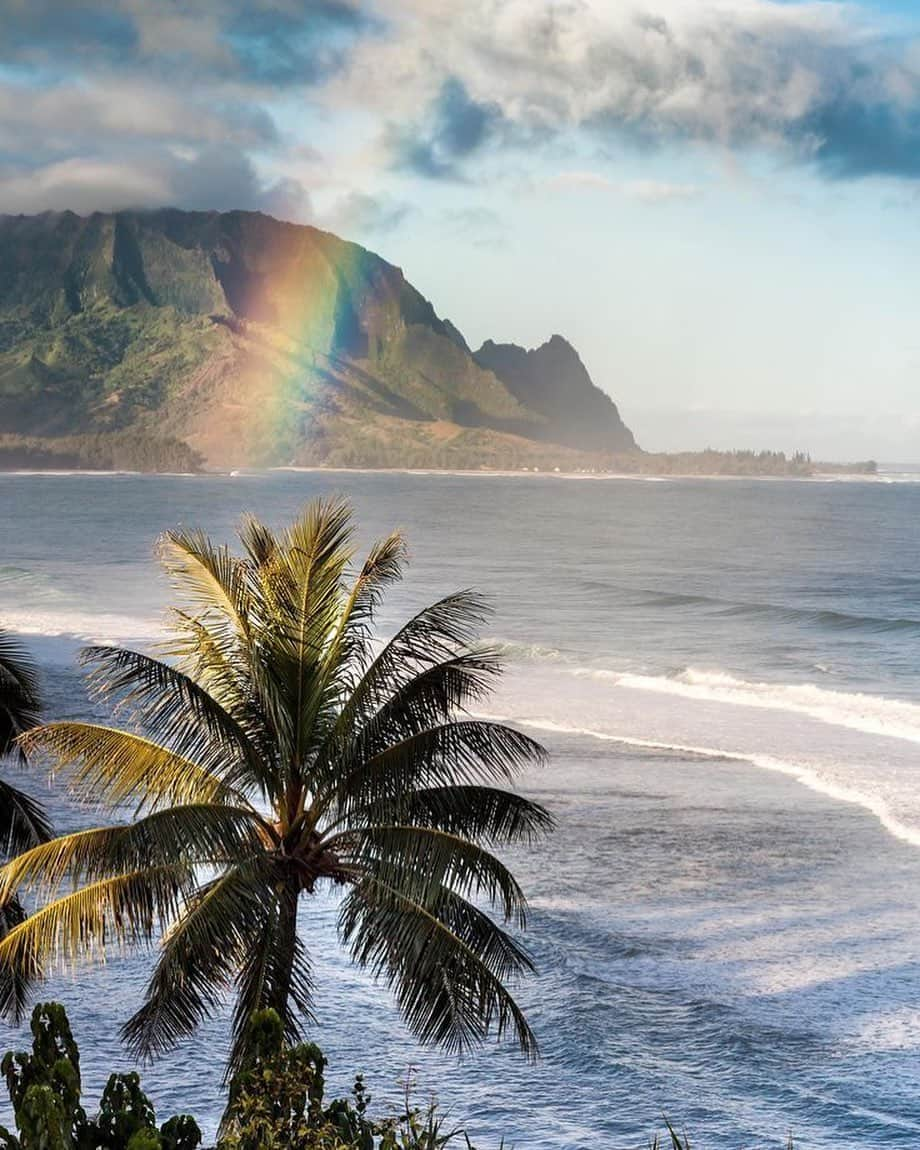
(553, 382)
(241, 340)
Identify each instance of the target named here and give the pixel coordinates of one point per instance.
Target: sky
(716, 201)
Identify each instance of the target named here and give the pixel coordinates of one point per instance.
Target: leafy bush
(276, 1100)
(45, 1087)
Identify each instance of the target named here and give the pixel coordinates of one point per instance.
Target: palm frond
(15, 982)
(447, 991)
(222, 927)
(111, 767)
(127, 910)
(451, 754)
(179, 713)
(276, 973)
(420, 861)
(429, 698)
(20, 692)
(436, 634)
(205, 834)
(211, 577)
(23, 822)
(488, 815)
(346, 651)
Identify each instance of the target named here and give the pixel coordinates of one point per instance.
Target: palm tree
(23, 823)
(277, 749)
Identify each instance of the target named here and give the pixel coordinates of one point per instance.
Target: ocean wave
(822, 617)
(12, 574)
(870, 714)
(825, 618)
(802, 772)
(84, 627)
(525, 652)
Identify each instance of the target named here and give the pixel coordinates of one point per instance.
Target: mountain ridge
(257, 342)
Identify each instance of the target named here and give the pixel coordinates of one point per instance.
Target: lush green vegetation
(45, 1089)
(280, 752)
(276, 1101)
(259, 342)
(103, 451)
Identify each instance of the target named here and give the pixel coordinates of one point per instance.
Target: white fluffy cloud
(191, 102)
(815, 81)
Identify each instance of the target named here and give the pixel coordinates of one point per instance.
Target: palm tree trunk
(287, 943)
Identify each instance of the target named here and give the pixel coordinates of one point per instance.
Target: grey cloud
(114, 103)
(811, 83)
(74, 116)
(213, 178)
(456, 126)
(274, 42)
(359, 212)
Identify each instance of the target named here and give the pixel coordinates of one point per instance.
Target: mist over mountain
(257, 342)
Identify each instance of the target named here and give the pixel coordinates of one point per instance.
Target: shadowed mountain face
(552, 381)
(260, 342)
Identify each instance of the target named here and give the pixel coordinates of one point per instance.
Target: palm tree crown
(277, 748)
(23, 823)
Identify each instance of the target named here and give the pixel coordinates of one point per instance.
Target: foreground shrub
(45, 1089)
(277, 1100)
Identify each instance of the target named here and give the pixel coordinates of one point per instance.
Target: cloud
(359, 212)
(90, 114)
(813, 83)
(276, 42)
(645, 191)
(210, 179)
(193, 101)
(456, 126)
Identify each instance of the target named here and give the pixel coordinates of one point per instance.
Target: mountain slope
(260, 342)
(552, 381)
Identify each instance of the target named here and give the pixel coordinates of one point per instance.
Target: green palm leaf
(20, 695)
(125, 910)
(223, 926)
(451, 989)
(23, 822)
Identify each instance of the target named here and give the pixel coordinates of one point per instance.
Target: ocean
(726, 674)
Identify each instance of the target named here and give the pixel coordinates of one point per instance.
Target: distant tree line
(468, 451)
(101, 451)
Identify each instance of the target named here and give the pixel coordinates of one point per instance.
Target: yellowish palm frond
(213, 578)
(112, 767)
(200, 835)
(126, 910)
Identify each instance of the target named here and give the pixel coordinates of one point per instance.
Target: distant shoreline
(824, 476)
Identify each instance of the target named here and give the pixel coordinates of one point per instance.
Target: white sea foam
(802, 772)
(84, 627)
(872, 714)
(528, 652)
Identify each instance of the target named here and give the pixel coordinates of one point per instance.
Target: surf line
(802, 774)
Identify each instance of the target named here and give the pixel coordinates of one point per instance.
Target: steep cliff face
(254, 341)
(552, 381)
